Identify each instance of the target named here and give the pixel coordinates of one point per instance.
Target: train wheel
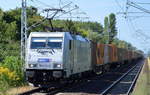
(99, 70)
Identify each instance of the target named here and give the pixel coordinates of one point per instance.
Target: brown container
(100, 54)
(112, 53)
(126, 55)
(120, 54)
(97, 54)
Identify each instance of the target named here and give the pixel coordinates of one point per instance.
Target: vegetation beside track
(11, 73)
(143, 83)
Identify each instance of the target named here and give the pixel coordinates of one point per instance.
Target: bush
(11, 72)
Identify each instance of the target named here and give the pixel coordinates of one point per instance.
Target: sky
(134, 29)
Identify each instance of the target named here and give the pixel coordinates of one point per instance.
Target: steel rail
(134, 81)
(118, 80)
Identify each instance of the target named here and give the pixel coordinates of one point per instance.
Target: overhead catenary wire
(138, 7)
(117, 2)
(61, 6)
(143, 38)
(139, 10)
(143, 3)
(133, 27)
(54, 15)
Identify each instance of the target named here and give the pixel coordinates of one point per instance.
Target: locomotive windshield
(46, 42)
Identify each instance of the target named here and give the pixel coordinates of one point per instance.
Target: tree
(11, 31)
(105, 38)
(1, 14)
(3, 28)
(112, 26)
(94, 36)
(7, 31)
(70, 26)
(82, 32)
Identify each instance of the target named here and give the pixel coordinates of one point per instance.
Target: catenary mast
(23, 29)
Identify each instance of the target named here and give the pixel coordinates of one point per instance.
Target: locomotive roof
(59, 34)
(47, 34)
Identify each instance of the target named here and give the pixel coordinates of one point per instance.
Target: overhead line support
(23, 29)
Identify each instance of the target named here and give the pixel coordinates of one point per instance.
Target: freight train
(55, 56)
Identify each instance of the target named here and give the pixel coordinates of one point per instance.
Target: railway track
(95, 83)
(125, 83)
(84, 82)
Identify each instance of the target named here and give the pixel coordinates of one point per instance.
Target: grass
(143, 83)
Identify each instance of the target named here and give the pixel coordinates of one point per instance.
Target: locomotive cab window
(46, 42)
(38, 42)
(55, 42)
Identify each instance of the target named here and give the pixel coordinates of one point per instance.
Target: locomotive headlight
(32, 65)
(57, 65)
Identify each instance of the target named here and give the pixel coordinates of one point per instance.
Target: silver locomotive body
(51, 56)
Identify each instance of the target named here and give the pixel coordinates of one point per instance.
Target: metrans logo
(41, 60)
